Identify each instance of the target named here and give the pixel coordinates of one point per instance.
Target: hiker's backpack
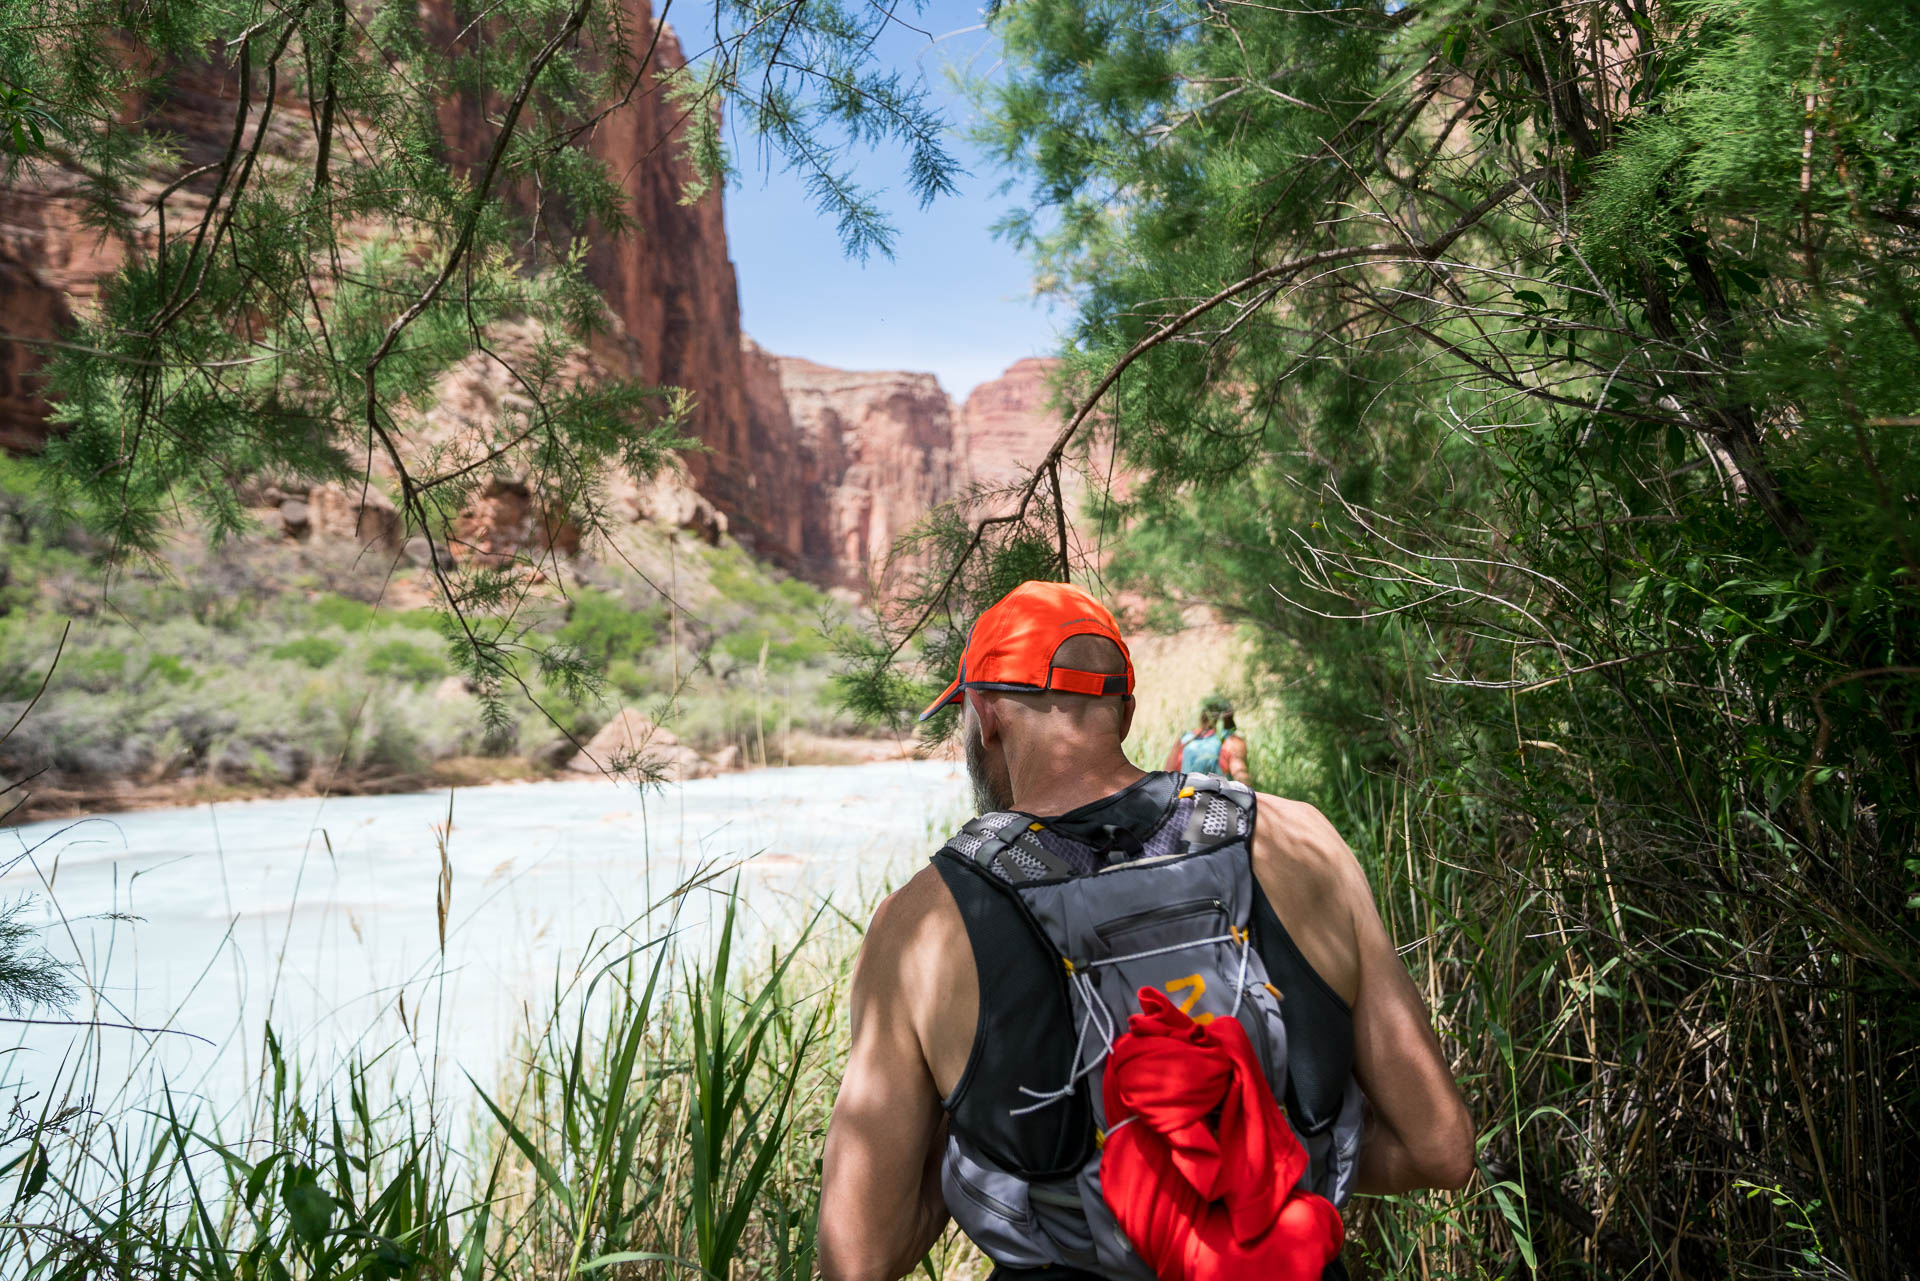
(1068, 918)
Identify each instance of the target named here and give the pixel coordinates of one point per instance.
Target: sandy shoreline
(119, 796)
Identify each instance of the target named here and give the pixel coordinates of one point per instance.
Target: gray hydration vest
(1068, 918)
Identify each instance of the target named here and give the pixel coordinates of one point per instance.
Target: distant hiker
(1074, 1032)
(1214, 746)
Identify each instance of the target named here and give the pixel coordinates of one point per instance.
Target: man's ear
(986, 714)
(1126, 715)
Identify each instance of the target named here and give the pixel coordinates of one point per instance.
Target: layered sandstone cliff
(1008, 423)
(877, 450)
(668, 283)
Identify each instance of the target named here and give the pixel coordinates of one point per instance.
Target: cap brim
(950, 695)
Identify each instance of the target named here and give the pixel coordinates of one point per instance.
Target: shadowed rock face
(815, 469)
(671, 288)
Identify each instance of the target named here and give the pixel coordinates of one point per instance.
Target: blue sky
(954, 300)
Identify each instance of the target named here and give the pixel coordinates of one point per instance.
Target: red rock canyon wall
(815, 469)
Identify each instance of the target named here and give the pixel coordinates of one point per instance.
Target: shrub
(313, 651)
(349, 615)
(167, 668)
(602, 628)
(801, 646)
(630, 679)
(406, 661)
(97, 670)
(390, 747)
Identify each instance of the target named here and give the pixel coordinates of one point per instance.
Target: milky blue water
(324, 916)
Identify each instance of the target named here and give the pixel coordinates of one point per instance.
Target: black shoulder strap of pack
(1223, 813)
(1024, 1034)
(1003, 844)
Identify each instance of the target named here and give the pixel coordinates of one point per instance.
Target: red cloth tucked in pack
(1199, 1165)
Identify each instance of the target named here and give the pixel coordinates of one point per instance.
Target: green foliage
(332, 610)
(603, 629)
(735, 577)
(165, 667)
(29, 978)
(735, 1139)
(1533, 383)
(98, 669)
(664, 1115)
(405, 661)
(309, 651)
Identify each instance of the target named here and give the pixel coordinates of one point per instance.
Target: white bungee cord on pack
(1080, 980)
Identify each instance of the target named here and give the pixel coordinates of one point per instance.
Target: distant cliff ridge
(878, 449)
(817, 470)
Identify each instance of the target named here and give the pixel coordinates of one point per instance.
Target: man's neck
(1064, 777)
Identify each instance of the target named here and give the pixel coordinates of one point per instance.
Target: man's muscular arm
(881, 1208)
(1419, 1133)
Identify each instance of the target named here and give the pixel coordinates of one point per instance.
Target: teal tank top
(1201, 755)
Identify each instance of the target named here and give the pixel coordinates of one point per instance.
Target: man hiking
(1127, 1024)
(1214, 746)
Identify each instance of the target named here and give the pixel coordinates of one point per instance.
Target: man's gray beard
(985, 801)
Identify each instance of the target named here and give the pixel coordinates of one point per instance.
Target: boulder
(361, 515)
(631, 743)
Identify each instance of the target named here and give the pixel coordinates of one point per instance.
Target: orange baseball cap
(1012, 645)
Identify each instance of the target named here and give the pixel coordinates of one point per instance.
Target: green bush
(602, 628)
(332, 610)
(630, 679)
(166, 667)
(97, 670)
(406, 661)
(800, 646)
(312, 651)
(349, 615)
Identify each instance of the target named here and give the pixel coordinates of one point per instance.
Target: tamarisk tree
(1534, 383)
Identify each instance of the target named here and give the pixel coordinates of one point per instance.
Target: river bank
(121, 796)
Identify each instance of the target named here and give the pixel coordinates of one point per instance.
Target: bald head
(1022, 747)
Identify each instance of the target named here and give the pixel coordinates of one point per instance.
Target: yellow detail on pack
(1194, 985)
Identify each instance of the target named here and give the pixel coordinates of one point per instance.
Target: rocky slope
(815, 469)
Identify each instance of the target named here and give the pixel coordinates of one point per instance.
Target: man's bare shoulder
(922, 901)
(1294, 837)
(1315, 885)
(911, 931)
(917, 959)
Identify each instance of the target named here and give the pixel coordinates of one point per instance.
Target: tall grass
(1604, 1030)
